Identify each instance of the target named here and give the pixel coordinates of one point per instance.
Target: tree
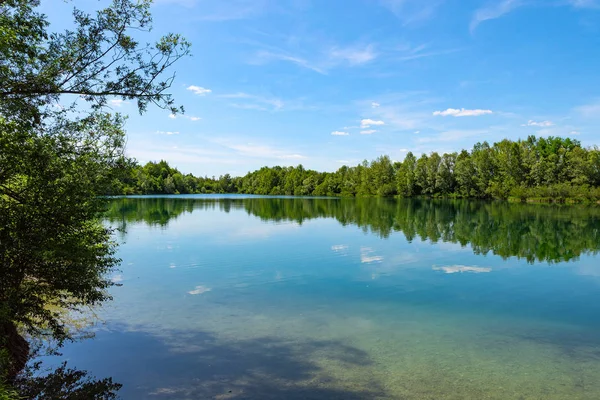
(445, 181)
(465, 175)
(593, 166)
(484, 168)
(405, 177)
(382, 172)
(59, 157)
(421, 174)
(226, 184)
(96, 60)
(432, 167)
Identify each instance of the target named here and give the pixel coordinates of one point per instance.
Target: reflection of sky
(367, 256)
(232, 251)
(235, 277)
(453, 269)
(339, 247)
(199, 290)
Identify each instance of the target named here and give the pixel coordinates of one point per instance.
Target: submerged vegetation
(536, 169)
(550, 233)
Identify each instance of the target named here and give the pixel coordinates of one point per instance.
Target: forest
(536, 169)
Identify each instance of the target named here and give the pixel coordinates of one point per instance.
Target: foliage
(8, 393)
(52, 250)
(60, 152)
(544, 169)
(97, 59)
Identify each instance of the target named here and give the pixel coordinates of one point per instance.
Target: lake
(247, 297)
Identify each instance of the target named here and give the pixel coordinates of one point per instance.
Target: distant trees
(541, 169)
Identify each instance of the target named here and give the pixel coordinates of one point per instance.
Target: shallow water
(255, 298)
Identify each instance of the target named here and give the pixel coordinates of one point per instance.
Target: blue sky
(329, 82)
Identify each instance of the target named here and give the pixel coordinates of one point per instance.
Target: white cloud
(266, 56)
(575, 133)
(417, 132)
(540, 124)
(166, 133)
(172, 116)
(118, 102)
(375, 104)
(494, 10)
(353, 55)
(322, 60)
(195, 118)
(368, 132)
(418, 52)
(462, 112)
(199, 290)
(366, 123)
(200, 91)
(339, 133)
(452, 269)
(117, 278)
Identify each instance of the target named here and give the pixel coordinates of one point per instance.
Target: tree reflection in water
(533, 232)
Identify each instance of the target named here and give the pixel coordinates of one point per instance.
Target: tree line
(535, 169)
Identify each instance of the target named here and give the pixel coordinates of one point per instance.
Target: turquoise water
(285, 298)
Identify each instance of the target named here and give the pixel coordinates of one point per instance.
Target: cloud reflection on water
(199, 290)
(453, 269)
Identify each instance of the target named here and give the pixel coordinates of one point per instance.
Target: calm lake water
(295, 298)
